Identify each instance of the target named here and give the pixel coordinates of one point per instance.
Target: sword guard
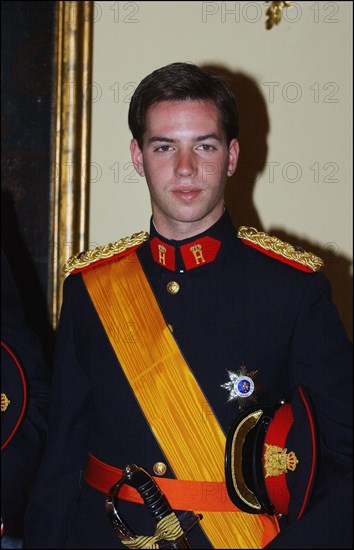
(156, 502)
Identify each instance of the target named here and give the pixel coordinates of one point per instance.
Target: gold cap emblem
(278, 461)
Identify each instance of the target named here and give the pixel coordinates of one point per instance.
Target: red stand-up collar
(194, 254)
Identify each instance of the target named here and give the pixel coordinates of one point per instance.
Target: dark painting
(27, 79)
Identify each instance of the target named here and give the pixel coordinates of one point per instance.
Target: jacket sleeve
(23, 443)
(58, 482)
(321, 360)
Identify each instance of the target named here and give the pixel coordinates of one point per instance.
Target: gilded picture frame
(71, 141)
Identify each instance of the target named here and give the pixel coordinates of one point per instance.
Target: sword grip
(153, 498)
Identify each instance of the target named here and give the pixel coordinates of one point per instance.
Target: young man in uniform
(166, 338)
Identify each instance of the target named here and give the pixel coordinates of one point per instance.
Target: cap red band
(276, 435)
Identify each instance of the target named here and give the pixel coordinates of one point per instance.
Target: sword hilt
(151, 494)
(156, 502)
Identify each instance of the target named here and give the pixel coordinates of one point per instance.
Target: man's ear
(137, 157)
(234, 150)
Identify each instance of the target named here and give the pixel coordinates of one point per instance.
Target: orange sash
(170, 397)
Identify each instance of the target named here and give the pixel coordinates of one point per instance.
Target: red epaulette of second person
(101, 254)
(280, 250)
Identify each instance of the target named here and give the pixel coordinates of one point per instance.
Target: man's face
(185, 160)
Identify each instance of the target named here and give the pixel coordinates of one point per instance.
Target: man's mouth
(187, 193)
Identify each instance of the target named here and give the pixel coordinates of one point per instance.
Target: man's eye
(163, 148)
(207, 147)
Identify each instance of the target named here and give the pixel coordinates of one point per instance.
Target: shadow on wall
(254, 130)
(336, 268)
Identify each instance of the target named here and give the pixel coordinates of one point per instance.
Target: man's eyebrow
(161, 138)
(153, 139)
(208, 136)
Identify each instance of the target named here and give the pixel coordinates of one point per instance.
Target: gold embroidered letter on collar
(162, 254)
(197, 253)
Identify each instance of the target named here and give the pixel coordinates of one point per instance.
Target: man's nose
(186, 164)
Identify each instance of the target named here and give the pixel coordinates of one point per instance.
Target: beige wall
(294, 84)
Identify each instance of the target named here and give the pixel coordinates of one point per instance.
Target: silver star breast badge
(241, 386)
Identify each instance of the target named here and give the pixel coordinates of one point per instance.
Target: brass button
(159, 468)
(173, 287)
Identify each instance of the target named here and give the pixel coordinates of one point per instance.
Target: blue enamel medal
(241, 386)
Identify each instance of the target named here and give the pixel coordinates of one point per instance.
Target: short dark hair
(182, 82)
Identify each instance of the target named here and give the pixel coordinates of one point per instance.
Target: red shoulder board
(280, 250)
(101, 254)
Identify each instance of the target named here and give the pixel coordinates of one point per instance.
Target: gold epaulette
(83, 259)
(281, 248)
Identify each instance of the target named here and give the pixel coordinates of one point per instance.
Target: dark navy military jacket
(25, 388)
(244, 308)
